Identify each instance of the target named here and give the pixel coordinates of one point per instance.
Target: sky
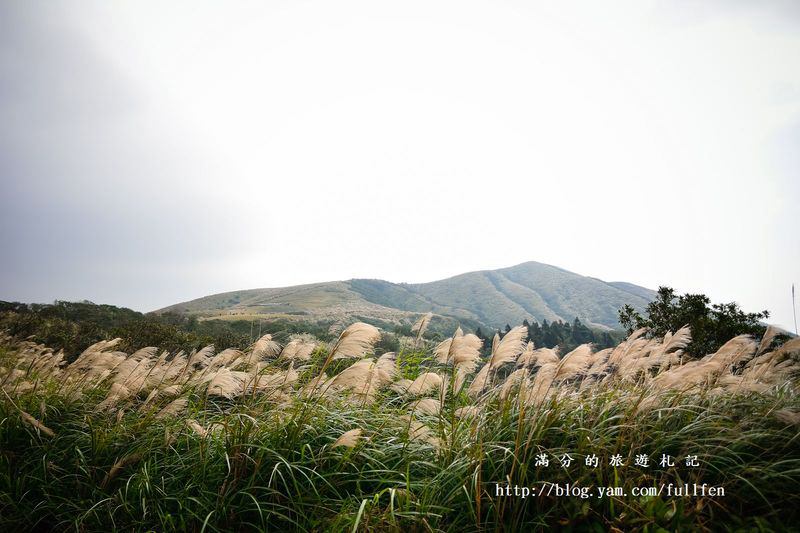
(155, 152)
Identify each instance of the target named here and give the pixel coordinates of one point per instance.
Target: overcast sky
(154, 152)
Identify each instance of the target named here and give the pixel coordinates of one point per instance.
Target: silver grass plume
(174, 408)
(366, 377)
(401, 385)
(424, 384)
(541, 386)
(788, 417)
(480, 382)
(228, 358)
(298, 350)
(265, 348)
(465, 352)
(526, 358)
(227, 383)
(349, 438)
(509, 348)
(270, 382)
(355, 341)
(766, 340)
(442, 350)
(117, 467)
(515, 379)
(169, 391)
(198, 359)
(387, 363)
(469, 411)
(538, 357)
(116, 394)
(427, 406)
(505, 350)
(740, 348)
(623, 349)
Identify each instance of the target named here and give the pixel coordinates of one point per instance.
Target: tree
(712, 326)
(580, 333)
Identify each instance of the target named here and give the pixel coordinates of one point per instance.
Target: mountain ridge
(490, 298)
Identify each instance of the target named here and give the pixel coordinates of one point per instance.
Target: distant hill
(489, 298)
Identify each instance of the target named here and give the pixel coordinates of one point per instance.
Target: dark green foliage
(404, 330)
(712, 325)
(568, 336)
(387, 343)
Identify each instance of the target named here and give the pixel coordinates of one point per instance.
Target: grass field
(314, 437)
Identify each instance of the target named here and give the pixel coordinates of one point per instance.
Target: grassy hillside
(490, 299)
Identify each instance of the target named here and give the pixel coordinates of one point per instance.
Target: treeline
(564, 335)
(74, 326)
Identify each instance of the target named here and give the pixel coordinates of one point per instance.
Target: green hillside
(490, 298)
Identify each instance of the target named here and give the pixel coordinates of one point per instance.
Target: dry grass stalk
(197, 428)
(469, 411)
(420, 326)
(117, 467)
(419, 432)
(37, 425)
(514, 380)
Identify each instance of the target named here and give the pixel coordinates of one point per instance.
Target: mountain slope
(491, 298)
(534, 290)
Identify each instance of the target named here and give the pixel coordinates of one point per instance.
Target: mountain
(489, 298)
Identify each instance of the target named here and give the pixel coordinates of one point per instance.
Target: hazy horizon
(155, 153)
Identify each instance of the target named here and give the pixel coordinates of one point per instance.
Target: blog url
(567, 490)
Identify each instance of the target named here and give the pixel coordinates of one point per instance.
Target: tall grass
(279, 446)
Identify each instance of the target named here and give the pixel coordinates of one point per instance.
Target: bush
(711, 326)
